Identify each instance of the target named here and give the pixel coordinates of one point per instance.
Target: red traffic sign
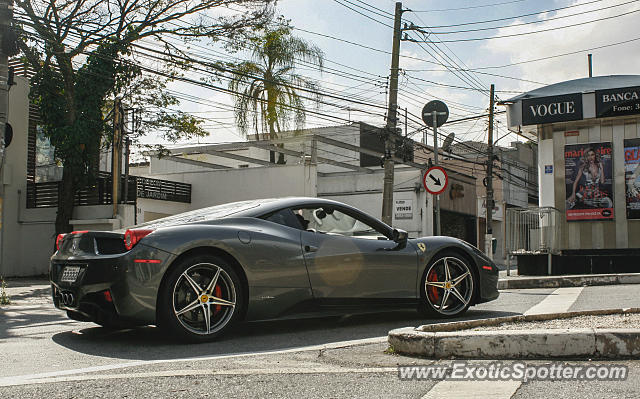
(435, 180)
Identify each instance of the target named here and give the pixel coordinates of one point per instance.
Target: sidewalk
(484, 339)
(28, 290)
(514, 281)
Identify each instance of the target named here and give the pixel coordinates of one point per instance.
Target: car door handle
(310, 248)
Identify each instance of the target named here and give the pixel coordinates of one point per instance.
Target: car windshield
(203, 214)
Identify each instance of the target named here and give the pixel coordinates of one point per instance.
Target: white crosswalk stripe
(558, 302)
(473, 389)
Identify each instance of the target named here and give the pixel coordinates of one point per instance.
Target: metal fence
(533, 231)
(45, 195)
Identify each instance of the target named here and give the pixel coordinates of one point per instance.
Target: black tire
(444, 298)
(189, 294)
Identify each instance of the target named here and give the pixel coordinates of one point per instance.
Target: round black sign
(438, 106)
(8, 134)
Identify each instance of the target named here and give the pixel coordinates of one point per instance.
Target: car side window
(284, 217)
(333, 221)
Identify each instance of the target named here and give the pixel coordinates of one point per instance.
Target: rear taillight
(131, 237)
(59, 241)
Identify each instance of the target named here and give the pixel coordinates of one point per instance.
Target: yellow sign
(422, 247)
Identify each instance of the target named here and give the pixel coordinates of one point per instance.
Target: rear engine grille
(110, 246)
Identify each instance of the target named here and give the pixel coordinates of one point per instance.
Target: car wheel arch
(459, 251)
(208, 251)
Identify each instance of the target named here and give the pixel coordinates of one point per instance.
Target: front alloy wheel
(448, 286)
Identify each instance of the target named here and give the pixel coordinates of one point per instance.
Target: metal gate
(532, 231)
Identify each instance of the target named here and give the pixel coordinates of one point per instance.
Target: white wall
(100, 217)
(27, 234)
(364, 191)
(213, 187)
(148, 208)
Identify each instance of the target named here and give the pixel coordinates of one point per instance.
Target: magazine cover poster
(632, 177)
(589, 182)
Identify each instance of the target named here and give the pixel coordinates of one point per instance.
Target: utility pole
(127, 147)
(488, 244)
(116, 155)
(434, 115)
(392, 120)
(125, 195)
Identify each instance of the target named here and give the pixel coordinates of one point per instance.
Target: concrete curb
(444, 341)
(568, 281)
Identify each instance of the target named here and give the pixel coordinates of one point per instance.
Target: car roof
(250, 208)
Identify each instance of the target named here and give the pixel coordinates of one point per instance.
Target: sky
(513, 44)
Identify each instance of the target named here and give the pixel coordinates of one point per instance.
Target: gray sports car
(198, 273)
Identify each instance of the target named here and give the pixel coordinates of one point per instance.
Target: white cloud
(614, 60)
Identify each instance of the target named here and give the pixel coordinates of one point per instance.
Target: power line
(463, 77)
(533, 22)
(389, 14)
(324, 94)
(470, 7)
(517, 16)
(558, 55)
(485, 73)
(539, 31)
(216, 88)
(368, 8)
(363, 14)
(320, 114)
(475, 79)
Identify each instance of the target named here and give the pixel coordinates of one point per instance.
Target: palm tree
(266, 88)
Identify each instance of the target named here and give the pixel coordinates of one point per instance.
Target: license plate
(70, 274)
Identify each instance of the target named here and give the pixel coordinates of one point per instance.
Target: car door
(348, 258)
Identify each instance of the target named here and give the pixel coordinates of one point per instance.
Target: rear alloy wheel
(202, 298)
(447, 286)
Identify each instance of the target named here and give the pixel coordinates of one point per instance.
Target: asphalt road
(43, 354)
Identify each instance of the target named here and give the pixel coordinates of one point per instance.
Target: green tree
(267, 88)
(83, 53)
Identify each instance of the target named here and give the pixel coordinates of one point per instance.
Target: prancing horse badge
(422, 247)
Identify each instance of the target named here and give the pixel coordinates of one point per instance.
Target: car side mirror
(400, 237)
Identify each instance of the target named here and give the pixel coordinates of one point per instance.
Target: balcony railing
(46, 195)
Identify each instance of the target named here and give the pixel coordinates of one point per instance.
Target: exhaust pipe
(67, 298)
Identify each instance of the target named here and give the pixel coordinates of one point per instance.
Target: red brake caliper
(432, 291)
(218, 293)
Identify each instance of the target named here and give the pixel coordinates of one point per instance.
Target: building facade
(588, 161)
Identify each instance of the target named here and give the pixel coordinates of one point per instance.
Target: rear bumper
(132, 286)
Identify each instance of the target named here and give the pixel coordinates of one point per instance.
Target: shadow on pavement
(37, 294)
(150, 343)
(29, 308)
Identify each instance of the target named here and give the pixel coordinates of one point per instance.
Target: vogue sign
(541, 110)
(618, 102)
